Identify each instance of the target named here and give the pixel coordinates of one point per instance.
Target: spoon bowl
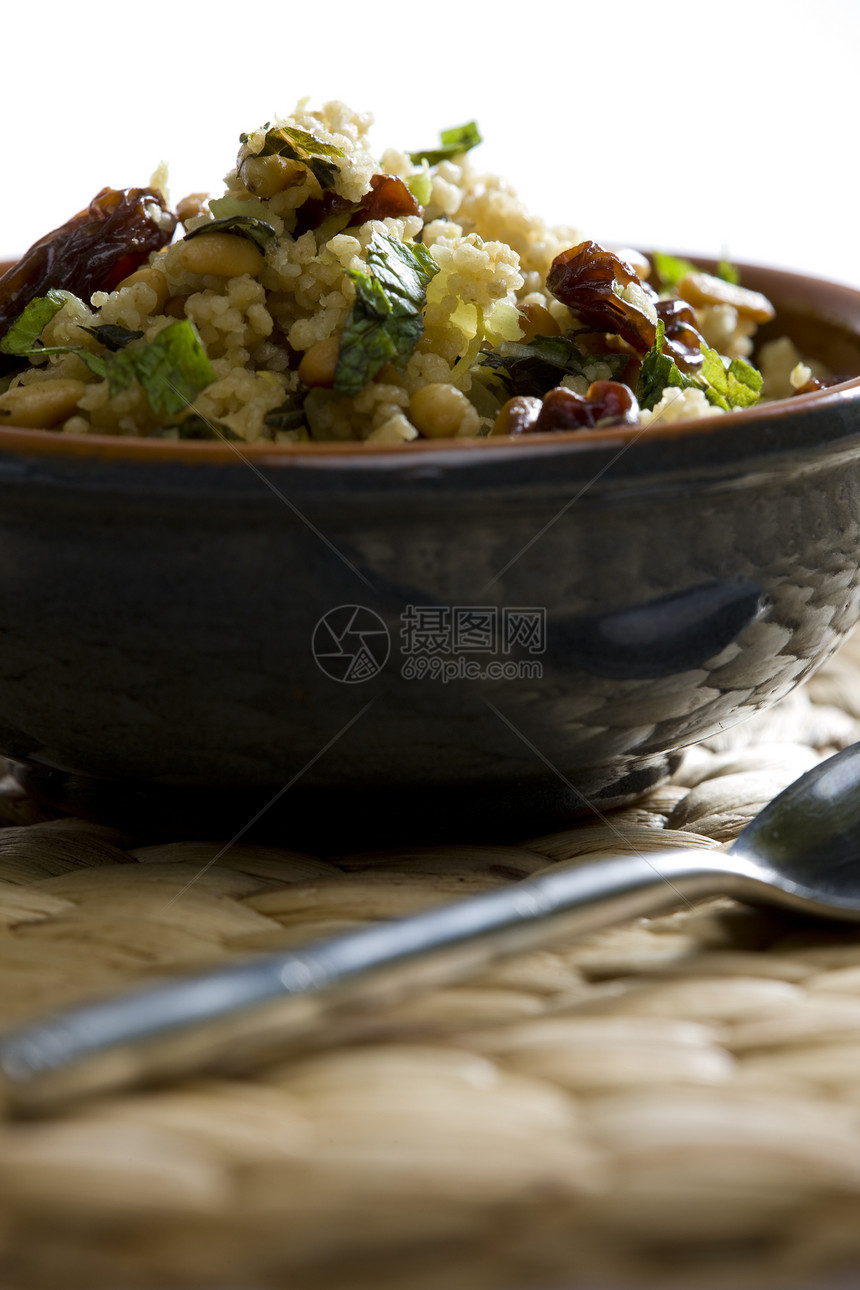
(805, 845)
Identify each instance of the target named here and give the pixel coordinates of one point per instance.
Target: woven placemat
(671, 1102)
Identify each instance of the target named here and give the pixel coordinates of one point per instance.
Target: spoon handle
(235, 1017)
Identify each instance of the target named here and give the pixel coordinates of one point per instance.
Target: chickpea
(440, 411)
(152, 278)
(41, 405)
(319, 363)
(223, 254)
(536, 320)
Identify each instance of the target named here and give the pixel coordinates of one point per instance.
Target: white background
(712, 127)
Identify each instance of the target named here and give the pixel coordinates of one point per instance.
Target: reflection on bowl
(478, 637)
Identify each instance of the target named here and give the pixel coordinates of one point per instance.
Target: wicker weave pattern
(669, 1102)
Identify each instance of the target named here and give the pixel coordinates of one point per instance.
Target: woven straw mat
(671, 1102)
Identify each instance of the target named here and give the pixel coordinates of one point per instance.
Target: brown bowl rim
(27, 442)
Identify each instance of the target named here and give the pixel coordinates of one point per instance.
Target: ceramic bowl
(475, 638)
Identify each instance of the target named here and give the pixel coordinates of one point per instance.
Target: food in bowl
(330, 295)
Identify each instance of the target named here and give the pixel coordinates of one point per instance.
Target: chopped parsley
(300, 145)
(385, 322)
(453, 142)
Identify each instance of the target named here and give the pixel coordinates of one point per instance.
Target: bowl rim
(16, 440)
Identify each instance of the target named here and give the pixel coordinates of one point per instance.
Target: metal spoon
(802, 852)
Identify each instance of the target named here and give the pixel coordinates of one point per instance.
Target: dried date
(683, 340)
(593, 283)
(93, 251)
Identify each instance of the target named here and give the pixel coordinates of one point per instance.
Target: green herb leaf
(728, 272)
(289, 415)
(671, 269)
(385, 322)
(539, 366)
(660, 370)
(112, 336)
(300, 145)
(737, 385)
(171, 370)
(420, 185)
(21, 338)
(255, 230)
(457, 140)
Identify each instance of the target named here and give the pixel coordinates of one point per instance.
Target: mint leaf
(670, 269)
(385, 322)
(171, 370)
(537, 367)
(112, 336)
(737, 385)
(660, 371)
(255, 230)
(728, 272)
(22, 337)
(459, 139)
(289, 415)
(300, 145)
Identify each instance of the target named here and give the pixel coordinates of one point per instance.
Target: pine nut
(700, 289)
(152, 278)
(41, 405)
(221, 254)
(319, 363)
(536, 320)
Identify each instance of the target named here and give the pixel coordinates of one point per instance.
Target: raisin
(683, 340)
(388, 196)
(810, 386)
(605, 403)
(587, 279)
(316, 210)
(93, 251)
(518, 415)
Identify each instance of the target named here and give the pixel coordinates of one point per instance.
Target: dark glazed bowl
(163, 662)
